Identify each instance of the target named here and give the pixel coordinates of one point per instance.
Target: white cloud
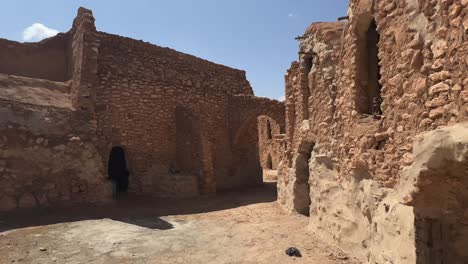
(282, 98)
(37, 32)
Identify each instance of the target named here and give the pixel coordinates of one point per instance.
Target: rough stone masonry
(371, 143)
(185, 126)
(377, 132)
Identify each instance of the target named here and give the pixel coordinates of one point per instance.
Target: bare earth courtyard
(235, 227)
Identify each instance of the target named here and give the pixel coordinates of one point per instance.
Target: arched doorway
(117, 169)
(246, 168)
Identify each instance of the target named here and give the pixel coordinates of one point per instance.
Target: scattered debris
(341, 256)
(293, 252)
(338, 255)
(42, 249)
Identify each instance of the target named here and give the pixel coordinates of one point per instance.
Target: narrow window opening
(306, 67)
(373, 71)
(269, 162)
(269, 133)
(308, 62)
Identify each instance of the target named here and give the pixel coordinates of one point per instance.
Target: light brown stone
(437, 88)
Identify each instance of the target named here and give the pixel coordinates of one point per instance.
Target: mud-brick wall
(141, 88)
(48, 59)
(423, 52)
(47, 158)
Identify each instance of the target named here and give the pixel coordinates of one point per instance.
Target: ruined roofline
(324, 25)
(88, 12)
(171, 50)
(36, 43)
(323, 28)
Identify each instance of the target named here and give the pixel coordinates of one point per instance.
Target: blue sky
(254, 35)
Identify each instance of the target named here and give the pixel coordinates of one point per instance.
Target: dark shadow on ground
(139, 210)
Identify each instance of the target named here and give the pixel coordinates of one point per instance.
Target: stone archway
(246, 168)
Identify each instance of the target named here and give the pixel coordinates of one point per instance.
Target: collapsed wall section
(48, 59)
(47, 157)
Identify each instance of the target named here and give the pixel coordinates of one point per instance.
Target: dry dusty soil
(234, 227)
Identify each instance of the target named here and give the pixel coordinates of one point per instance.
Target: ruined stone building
(73, 105)
(371, 143)
(377, 132)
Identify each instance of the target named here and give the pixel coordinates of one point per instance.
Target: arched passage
(246, 111)
(117, 169)
(245, 168)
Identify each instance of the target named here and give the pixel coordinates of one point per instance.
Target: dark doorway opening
(117, 169)
(373, 70)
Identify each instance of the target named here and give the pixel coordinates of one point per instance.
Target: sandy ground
(235, 227)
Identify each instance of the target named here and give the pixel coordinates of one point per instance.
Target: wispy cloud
(291, 15)
(37, 32)
(282, 98)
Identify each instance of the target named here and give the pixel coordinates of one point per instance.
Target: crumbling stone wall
(419, 90)
(139, 96)
(310, 99)
(186, 125)
(357, 144)
(47, 154)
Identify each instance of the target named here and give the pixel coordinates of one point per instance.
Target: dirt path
(237, 227)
